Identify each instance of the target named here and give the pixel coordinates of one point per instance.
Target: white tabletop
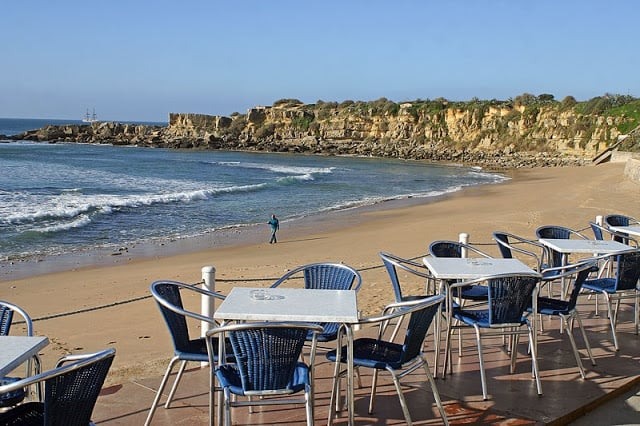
(470, 268)
(15, 350)
(584, 246)
(290, 304)
(631, 229)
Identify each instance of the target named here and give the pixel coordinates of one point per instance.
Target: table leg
(350, 391)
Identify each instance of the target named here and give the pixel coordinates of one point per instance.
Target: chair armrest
(395, 310)
(79, 361)
(185, 312)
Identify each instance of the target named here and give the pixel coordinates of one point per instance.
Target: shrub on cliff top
(287, 102)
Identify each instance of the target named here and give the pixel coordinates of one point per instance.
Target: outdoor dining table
(297, 305)
(631, 229)
(580, 246)
(446, 269)
(16, 350)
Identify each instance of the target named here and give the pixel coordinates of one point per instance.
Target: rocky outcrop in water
(491, 133)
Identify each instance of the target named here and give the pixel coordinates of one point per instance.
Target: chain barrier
(221, 280)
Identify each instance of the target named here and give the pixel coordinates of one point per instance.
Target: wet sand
(113, 293)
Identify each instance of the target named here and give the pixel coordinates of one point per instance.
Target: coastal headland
(91, 306)
(528, 131)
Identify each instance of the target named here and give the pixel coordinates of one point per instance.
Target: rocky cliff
(492, 133)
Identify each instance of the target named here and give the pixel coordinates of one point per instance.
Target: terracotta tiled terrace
(513, 399)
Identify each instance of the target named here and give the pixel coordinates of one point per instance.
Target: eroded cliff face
(495, 135)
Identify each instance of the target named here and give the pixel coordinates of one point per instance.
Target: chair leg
(308, 402)
(584, 336)
(483, 378)
(227, 407)
(175, 384)
(434, 390)
(396, 329)
(374, 383)
(357, 370)
(576, 354)
(514, 352)
(403, 402)
(534, 361)
(612, 320)
(163, 383)
(636, 311)
(334, 388)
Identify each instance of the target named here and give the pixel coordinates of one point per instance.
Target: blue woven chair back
(70, 398)
(445, 249)
(419, 324)
(618, 220)
(176, 323)
(393, 276)
(509, 297)
(581, 277)
(557, 233)
(328, 277)
(628, 271)
(267, 357)
(6, 316)
(597, 232)
(505, 252)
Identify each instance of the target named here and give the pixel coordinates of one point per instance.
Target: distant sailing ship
(93, 118)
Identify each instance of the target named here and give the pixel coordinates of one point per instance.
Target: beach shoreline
(247, 234)
(130, 322)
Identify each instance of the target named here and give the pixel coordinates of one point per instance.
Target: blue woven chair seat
(27, 414)
(477, 316)
(372, 353)
(196, 350)
(601, 285)
(9, 399)
(474, 292)
(229, 376)
(549, 306)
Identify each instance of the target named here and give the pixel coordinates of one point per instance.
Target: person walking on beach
(275, 225)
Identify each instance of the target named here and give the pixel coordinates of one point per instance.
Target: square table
(579, 246)
(16, 350)
(297, 305)
(566, 246)
(448, 268)
(456, 268)
(631, 229)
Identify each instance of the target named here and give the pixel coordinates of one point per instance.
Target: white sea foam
(79, 222)
(277, 168)
(26, 209)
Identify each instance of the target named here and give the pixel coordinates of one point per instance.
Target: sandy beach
(533, 197)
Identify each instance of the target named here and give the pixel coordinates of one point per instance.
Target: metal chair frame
(499, 329)
(567, 310)
(53, 387)
(226, 401)
(390, 312)
(180, 311)
(393, 264)
(618, 294)
(321, 275)
(7, 310)
(509, 243)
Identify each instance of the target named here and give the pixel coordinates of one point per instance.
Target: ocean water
(63, 198)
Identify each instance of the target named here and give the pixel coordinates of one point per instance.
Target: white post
(599, 220)
(207, 303)
(464, 239)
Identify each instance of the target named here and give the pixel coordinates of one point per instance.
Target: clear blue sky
(140, 60)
